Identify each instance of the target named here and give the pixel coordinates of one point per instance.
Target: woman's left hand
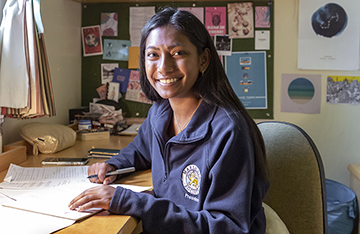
(99, 197)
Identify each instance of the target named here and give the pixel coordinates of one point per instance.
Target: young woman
(206, 154)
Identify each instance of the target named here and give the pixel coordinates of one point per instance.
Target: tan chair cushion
(274, 225)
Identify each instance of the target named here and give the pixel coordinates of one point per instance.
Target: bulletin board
(91, 65)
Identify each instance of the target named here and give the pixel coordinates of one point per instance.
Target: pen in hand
(117, 172)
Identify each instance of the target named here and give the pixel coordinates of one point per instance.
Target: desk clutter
(100, 120)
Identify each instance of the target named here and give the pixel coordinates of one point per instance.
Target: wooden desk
(104, 222)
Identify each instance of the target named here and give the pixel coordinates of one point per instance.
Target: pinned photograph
(241, 20)
(113, 91)
(116, 49)
(107, 72)
(102, 90)
(262, 17)
(109, 24)
(91, 39)
(134, 91)
(223, 44)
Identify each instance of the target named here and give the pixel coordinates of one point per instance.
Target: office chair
(297, 190)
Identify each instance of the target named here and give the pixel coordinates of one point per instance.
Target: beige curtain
(25, 83)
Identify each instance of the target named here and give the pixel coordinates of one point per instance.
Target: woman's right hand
(101, 169)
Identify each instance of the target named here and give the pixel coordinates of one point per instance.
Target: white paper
(262, 40)
(42, 177)
(59, 185)
(138, 18)
(52, 201)
(25, 178)
(31, 223)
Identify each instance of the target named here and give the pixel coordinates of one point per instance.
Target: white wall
(336, 130)
(62, 23)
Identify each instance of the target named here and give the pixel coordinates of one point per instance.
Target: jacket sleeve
(232, 204)
(137, 153)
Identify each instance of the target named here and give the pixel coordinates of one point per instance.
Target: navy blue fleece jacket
(203, 178)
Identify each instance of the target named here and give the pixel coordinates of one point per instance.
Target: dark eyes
(180, 52)
(151, 55)
(176, 53)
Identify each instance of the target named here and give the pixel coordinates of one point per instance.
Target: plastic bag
(342, 207)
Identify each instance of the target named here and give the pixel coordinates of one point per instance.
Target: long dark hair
(213, 86)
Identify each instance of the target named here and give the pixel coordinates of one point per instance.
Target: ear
(205, 60)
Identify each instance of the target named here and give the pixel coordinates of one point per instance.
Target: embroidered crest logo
(191, 178)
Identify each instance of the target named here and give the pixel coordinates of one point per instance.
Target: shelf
(140, 1)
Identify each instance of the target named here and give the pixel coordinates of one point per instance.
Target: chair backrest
(297, 190)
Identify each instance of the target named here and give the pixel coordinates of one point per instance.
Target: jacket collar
(197, 128)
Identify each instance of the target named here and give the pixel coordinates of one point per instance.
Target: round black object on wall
(329, 20)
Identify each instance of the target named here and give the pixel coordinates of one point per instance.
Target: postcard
(107, 72)
(262, 17)
(215, 20)
(121, 76)
(197, 11)
(109, 24)
(134, 92)
(343, 89)
(134, 57)
(113, 91)
(102, 91)
(241, 20)
(223, 44)
(91, 39)
(116, 49)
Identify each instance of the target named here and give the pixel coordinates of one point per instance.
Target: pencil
(117, 172)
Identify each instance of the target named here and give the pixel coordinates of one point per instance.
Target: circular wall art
(301, 90)
(329, 20)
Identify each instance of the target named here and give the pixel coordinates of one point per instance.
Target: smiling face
(172, 63)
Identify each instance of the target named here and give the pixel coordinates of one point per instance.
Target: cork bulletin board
(91, 65)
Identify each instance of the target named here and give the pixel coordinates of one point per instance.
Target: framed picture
(91, 39)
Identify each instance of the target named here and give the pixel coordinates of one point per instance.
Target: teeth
(168, 81)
